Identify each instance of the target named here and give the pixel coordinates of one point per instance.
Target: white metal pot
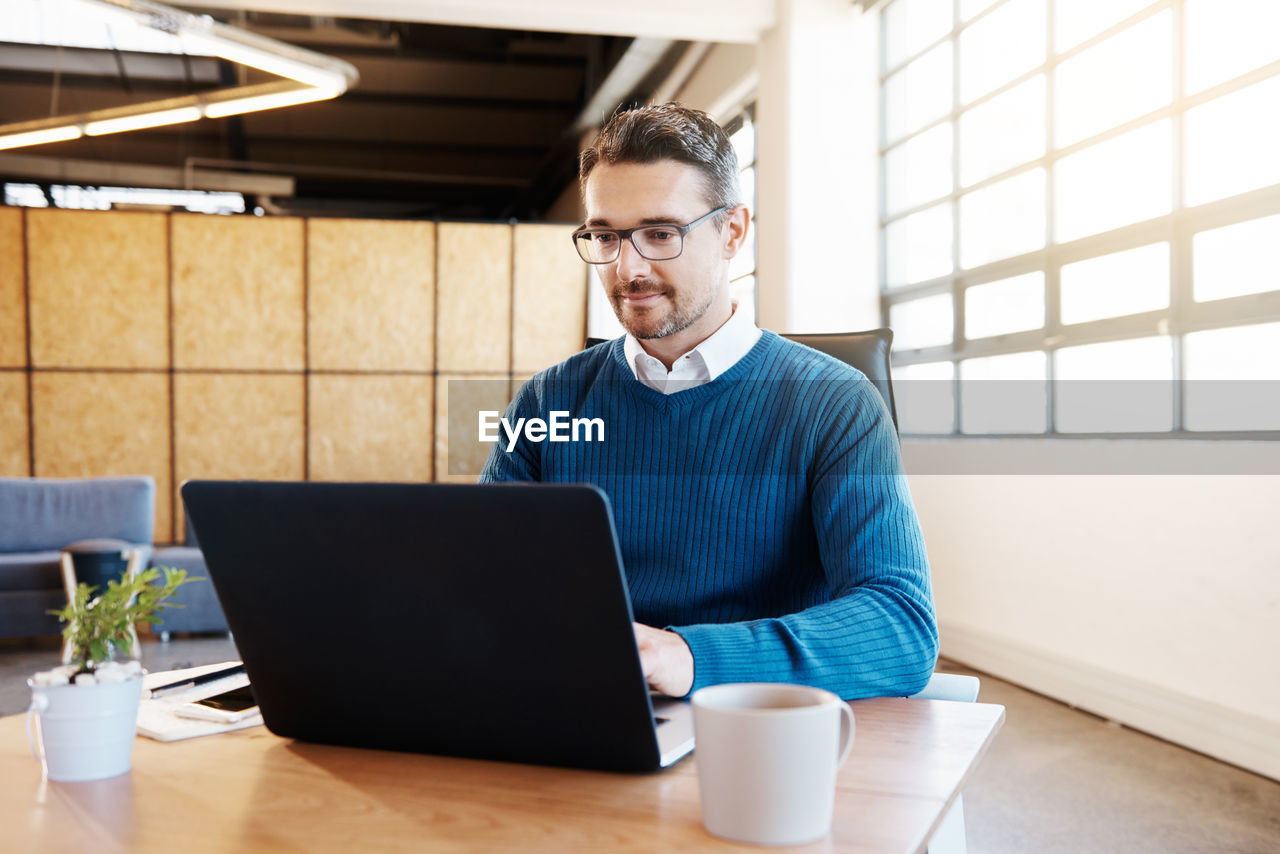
(84, 732)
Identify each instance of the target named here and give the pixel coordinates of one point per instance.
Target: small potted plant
(88, 708)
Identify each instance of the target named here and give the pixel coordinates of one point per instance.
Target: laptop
(489, 621)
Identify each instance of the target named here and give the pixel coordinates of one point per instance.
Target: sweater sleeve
(522, 462)
(877, 635)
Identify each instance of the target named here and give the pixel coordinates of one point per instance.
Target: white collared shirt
(702, 364)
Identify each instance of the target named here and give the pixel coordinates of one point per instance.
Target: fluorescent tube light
(36, 137)
(142, 120)
(272, 63)
(235, 106)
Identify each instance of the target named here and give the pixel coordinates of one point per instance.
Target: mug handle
(846, 732)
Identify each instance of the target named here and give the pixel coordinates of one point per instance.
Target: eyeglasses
(653, 242)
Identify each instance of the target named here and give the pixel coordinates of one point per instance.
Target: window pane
(970, 8)
(1003, 394)
(1236, 260)
(925, 322)
(912, 25)
(918, 247)
(1002, 220)
(1009, 305)
(1117, 386)
(1005, 132)
(1233, 378)
(919, 170)
(1114, 183)
(1114, 81)
(918, 94)
(1232, 143)
(1077, 20)
(1001, 46)
(1226, 38)
(1128, 282)
(744, 144)
(925, 397)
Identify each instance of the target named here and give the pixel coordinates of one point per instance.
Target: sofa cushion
(47, 513)
(31, 571)
(201, 611)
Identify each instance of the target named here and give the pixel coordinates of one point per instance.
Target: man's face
(656, 299)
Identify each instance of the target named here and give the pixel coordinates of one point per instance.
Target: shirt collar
(719, 352)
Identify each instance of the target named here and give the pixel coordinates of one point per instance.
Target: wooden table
(251, 791)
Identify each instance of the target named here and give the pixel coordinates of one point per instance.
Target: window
(1079, 192)
(136, 198)
(742, 270)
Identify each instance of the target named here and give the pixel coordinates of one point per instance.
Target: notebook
(488, 621)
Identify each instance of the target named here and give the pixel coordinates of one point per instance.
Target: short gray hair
(669, 131)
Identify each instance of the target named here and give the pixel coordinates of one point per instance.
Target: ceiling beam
(705, 20)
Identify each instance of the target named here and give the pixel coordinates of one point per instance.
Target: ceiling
(446, 121)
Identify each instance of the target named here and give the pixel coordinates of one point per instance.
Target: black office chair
(867, 351)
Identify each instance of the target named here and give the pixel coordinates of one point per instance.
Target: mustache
(638, 287)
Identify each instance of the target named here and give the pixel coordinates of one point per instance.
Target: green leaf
(95, 626)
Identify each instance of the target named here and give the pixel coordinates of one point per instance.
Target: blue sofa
(201, 611)
(41, 516)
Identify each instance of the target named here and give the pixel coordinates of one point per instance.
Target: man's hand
(666, 660)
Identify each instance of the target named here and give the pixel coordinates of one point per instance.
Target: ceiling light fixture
(35, 137)
(309, 77)
(138, 121)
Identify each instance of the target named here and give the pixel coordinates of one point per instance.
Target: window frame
(1178, 228)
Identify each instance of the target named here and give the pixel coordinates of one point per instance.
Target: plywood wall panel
(550, 300)
(371, 428)
(371, 295)
(237, 426)
(14, 460)
(474, 302)
(237, 292)
(97, 424)
(98, 289)
(459, 399)
(13, 317)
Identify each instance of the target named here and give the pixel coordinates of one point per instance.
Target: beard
(648, 323)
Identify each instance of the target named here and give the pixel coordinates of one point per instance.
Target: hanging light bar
(309, 77)
(142, 120)
(57, 133)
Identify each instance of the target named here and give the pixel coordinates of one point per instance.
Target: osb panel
(98, 284)
(237, 426)
(237, 292)
(371, 428)
(371, 295)
(550, 297)
(459, 400)
(14, 461)
(13, 322)
(474, 322)
(96, 424)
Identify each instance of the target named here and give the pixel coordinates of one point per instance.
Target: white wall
(1150, 599)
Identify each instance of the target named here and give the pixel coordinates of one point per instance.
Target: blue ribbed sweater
(763, 516)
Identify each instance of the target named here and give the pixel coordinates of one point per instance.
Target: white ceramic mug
(767, 758)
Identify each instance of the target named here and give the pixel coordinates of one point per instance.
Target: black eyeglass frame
(626, 233)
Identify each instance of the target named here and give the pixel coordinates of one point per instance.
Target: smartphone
(229, 707)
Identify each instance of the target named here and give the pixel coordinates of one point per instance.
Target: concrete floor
(1056, 780)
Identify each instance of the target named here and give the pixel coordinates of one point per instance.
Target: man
(762, 514)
